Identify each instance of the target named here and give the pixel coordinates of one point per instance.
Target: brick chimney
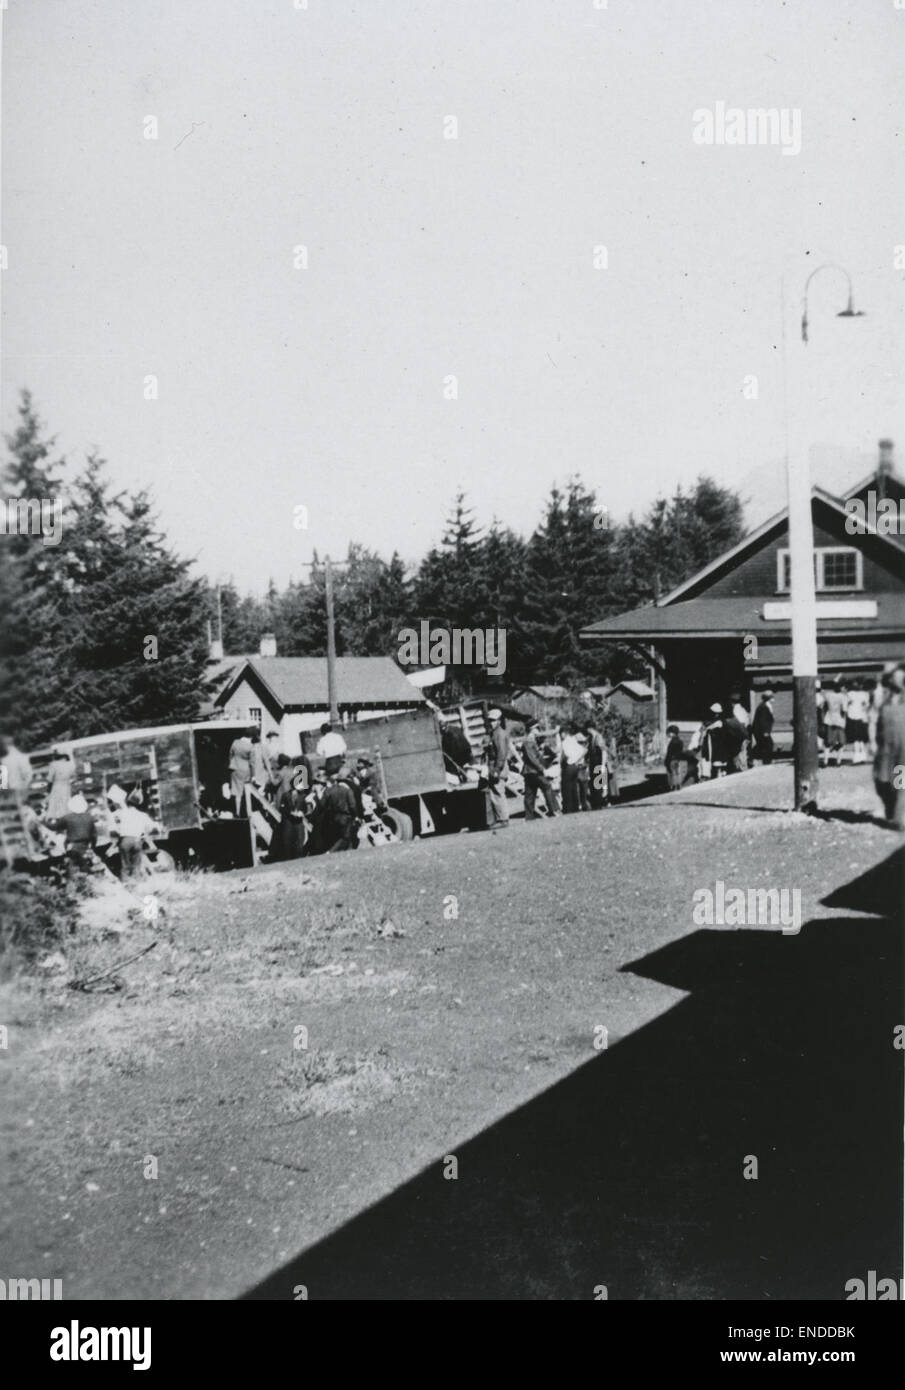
(885, 466)
(268, 646)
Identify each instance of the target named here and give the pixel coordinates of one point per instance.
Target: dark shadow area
(848, 817)
(881, 890)
(630, 1171)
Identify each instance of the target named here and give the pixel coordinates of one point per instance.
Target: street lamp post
(802, 587)
(331, 642)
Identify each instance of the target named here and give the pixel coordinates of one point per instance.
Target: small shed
(541, 701)
(634, 701)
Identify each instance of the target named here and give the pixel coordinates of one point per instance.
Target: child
(675, 759)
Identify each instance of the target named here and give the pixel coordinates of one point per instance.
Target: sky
(320, 380)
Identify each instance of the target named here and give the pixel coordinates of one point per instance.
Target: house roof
(545, 692)
(639, 689)
(872, 480)
(300, 682)
(737, 617)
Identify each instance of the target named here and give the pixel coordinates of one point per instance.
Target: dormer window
(837, 568)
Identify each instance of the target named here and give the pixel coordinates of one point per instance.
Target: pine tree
(106, 630)
(570, 571)
(29, 579)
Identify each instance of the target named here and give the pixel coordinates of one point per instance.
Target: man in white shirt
(132, 824)
(331, 746)
(574, 755)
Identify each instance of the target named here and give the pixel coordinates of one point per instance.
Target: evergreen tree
(106, 630)
(570, 571)
(29, 577)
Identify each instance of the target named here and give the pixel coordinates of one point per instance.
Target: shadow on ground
(629, 1172)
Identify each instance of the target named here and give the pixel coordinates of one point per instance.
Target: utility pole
(801, 583)
(331, 643)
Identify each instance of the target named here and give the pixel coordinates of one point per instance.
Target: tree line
(76, 619)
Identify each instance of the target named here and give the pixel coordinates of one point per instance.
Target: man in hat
(762, 728)
(336, 817)
(713, 742)
(498, 769)
(889, 760)
(534, 771)
(80, 830)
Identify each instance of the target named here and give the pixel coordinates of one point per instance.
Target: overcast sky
(323, 127)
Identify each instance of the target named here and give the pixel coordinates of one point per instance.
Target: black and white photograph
(452, 665)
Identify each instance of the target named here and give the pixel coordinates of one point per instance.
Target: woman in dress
(856, 729)
(60, 775)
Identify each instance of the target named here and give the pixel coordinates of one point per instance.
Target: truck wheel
(399, 823)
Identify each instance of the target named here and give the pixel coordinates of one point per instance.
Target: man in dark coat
(534, 770)
(735, 736)
(762, 728)
(498, 769)
(889, 762)
(337, 818)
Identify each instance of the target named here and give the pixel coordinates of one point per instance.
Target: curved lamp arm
(849, 312)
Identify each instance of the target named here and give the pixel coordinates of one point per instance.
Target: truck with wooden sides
(409, 774)
(181, 771)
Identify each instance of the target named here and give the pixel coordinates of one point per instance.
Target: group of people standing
(847, 715)
(867, 716)
(319, 808)
(587, 767)
(728, 740)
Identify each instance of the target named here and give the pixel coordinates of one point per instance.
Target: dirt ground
(504, 1065)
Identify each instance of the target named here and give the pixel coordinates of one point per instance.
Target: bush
(36, 915)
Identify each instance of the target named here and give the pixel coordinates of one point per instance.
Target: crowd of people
(319, 803)
(568, 766)
(69, 831)
(865, 718)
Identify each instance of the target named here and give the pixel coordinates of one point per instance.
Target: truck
(409, 774)
(181, 770)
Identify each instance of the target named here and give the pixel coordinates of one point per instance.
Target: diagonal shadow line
(629, 1172)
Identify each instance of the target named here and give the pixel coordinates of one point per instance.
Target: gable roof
(872, 481)
(545, 692)
(749, 542)
(300, 682)
(639, 690)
